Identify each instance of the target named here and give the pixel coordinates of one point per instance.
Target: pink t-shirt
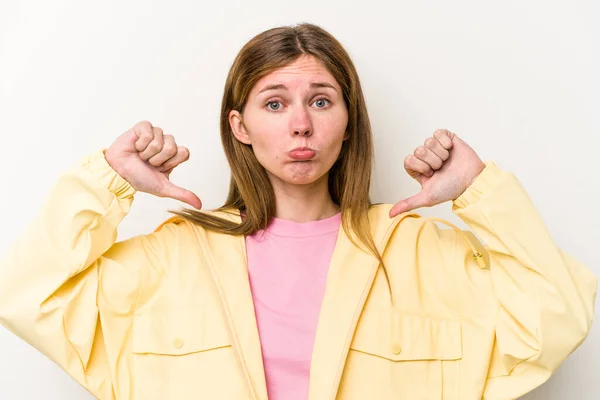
(288, 264)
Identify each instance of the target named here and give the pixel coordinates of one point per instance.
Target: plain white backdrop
(517, 80)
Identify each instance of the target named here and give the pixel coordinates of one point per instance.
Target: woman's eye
(321, 103)
(273, 105)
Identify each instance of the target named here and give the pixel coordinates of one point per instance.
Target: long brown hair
(250, 190)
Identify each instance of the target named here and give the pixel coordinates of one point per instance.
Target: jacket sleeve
(52, 278)
(546, 297)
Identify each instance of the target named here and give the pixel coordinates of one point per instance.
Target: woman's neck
(306, 211)
(304, 204)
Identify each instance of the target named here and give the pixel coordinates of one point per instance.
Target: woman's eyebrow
(274, 87)
(313, 85)
(319, 85)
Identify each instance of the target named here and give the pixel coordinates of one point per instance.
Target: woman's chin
(301, 173)
(307, 178)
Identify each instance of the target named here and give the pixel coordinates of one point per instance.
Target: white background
(517, 80)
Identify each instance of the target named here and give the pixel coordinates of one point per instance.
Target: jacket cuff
(485, 182)
(108, 177)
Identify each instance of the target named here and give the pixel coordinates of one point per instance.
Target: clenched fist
(445, 167)
(145, 157)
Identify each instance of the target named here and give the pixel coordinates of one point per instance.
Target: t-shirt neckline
(284, 227)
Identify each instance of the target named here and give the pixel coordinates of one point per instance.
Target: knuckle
(170, 149)
(146, 135)
(155, 146)
(430, 142)
(169, 141)
(420, 151)
(185, 153)
(143, 125)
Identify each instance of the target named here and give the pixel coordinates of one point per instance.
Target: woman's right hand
(145, 157)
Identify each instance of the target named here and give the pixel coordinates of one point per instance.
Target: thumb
(175, 192)
(408, 204)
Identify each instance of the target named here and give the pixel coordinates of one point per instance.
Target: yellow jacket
(169, 315)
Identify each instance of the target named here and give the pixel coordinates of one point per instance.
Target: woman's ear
(237, 127)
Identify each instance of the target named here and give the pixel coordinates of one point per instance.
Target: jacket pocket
(406, 337)
(182, 352)
(179, 331)
(398, 354)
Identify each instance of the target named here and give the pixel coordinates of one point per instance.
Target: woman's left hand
(445, 167)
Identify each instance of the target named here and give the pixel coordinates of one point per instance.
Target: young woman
(298, 286)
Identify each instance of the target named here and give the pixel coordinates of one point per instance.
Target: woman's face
(298, 106)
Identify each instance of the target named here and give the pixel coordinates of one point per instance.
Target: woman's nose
(301, 123)
(303, 132)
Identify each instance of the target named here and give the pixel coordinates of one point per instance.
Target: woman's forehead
(303, 71)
